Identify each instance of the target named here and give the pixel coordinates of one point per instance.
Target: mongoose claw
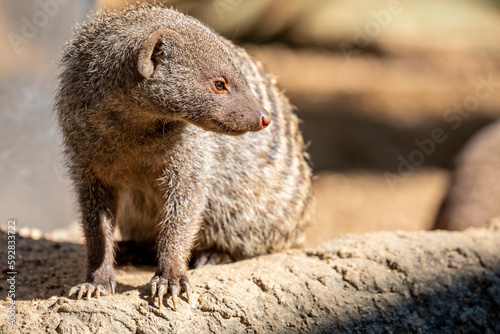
(153, 290)
(186, 288)
(175, 287)
(161, 291)
(102, 291)
(72, 291)
(89, 289)
(160, 286)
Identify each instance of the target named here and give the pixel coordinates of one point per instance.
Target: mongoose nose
(264, 121)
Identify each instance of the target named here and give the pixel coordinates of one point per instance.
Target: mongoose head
(192, 78)
(153, 62)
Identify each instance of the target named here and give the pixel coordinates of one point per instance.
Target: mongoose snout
(240, 111)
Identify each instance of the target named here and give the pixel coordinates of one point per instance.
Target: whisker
(164, 123)
(165, 92)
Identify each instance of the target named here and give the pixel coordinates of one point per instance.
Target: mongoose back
(474, 191)
(168, 133)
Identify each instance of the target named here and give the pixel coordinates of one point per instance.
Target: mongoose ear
(155, 46)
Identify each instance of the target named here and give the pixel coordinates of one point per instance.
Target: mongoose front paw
(90, 289)
(159, 287)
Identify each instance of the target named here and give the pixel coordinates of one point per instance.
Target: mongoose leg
(98, 209)
(170, 273)
(177, 232)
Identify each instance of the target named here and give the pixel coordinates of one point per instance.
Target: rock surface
(413, 282)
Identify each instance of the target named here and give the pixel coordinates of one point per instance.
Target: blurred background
(388, 91)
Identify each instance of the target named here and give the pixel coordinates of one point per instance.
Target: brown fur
(135, 102)
(474, 191)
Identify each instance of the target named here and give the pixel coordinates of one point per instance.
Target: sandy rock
(413, 282)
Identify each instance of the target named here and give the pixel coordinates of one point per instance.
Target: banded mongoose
(474, 191)
(163, 124)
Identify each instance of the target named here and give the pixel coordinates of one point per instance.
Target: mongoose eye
(220, 85)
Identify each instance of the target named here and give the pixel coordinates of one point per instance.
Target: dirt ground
(384, 282)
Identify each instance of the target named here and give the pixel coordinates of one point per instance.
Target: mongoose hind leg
(209, 257)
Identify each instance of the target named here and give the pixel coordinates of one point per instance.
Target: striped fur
(278, 186)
